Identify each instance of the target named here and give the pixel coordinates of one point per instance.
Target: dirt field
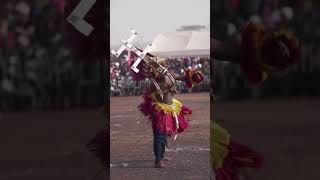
(132, 143)
(49, 145)
(285, 131)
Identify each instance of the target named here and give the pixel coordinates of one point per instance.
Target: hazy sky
(150, 17)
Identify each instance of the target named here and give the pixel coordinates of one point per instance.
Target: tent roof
(185, 43)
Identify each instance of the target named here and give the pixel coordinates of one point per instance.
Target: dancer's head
(279, 50)
(197, 77)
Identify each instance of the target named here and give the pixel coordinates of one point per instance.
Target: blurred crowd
(36, 68)
(299, 16)
(123, 85)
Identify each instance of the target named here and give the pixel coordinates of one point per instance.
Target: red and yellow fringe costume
(254, 36)
(163, 116)
(168, 119)
(228, 156)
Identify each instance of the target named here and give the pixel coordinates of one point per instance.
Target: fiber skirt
(229, 157)
(167, 119)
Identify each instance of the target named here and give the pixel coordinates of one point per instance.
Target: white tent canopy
(184, 43)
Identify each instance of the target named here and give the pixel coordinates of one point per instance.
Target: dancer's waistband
(174, 108)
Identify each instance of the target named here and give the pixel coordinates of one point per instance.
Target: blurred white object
(23, 8)
(288, 12)
(76, 16)
(181, 44)
(231, 29)
(13, 60)
(128, 41)
(23, 40)
(126, 57)
(125, 164)
(7, 85)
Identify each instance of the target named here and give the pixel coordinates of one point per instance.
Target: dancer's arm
(226, 51)
(179, 77)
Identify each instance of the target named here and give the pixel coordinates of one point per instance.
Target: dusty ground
(285, 131)
(132, 143)
(49, 145)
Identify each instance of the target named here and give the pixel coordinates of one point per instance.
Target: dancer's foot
(167, 159)
(159, 164)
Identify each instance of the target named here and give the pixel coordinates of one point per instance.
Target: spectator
(35, 64)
